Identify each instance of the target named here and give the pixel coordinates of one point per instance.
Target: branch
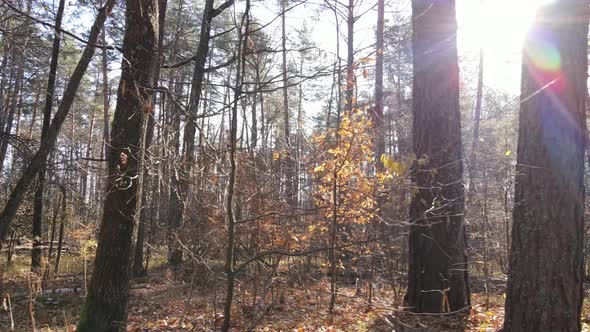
(221, 8)
(80, 39)
(303, 253)
(221, 65)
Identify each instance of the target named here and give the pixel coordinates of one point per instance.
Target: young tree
(290, 195)
(378, 111)
(437, 262)
(546, 261)
(108, 294)
(38, 203)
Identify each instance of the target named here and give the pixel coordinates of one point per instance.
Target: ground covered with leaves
(165, 301)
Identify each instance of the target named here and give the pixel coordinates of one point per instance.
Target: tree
(437, 263)
(378, 111)
(181, 188)
(38, 203)
(231, 197)
(105, 308)
(289, 170)
(545, 277)
(476, 123)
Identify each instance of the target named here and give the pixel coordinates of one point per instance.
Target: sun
(499, 26)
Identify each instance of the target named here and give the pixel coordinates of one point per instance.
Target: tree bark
(437, 263)
(105, 308)
(545, 277)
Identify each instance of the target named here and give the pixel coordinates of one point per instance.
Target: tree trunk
(378, 121)
(172, 214)
(288, 160)
(39, 158)
(437, 263)
(545, 277)
(350, 76)
(144, 178)
(105, 97)
(476, 121)
(105, 308)
(233, 160)
(61, 228)
(38, 200)
(188, 158)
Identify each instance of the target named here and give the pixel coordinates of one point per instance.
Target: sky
(499, 26)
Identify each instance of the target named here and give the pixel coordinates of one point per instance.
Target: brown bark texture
(437, 262)
(105, 308)
(546, 260)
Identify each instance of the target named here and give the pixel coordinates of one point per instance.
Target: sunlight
(499, 26)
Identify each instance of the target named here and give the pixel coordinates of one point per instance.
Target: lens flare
(544, 60)
(542, 53)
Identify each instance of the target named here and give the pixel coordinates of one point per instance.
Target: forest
(294, 165)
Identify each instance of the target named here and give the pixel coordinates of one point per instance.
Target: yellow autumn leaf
(387, 162)
(318, 169)
(508, 153)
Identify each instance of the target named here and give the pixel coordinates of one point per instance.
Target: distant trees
(437, 271)
(39, 158)
(546, 258)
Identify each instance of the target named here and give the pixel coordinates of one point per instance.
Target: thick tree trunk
(38, 200)
(546, 262)
(437, 262)
(40, 157)
(108, 295)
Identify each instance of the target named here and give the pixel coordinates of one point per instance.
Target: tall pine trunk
(546, 261)
(108, 294)
(437, 262)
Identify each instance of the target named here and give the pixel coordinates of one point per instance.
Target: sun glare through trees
(294, 165)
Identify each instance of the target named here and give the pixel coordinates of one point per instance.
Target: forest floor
(163, 302)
